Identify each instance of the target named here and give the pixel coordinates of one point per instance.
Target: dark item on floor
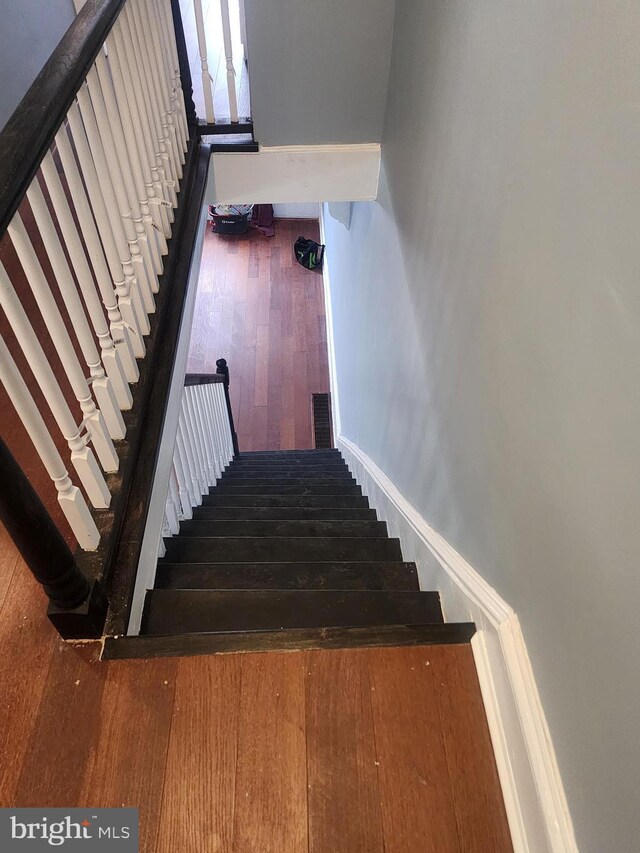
(308, 253)
(229, 220)
(262, 219)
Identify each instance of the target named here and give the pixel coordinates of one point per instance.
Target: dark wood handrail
(202, 378)
(37, 118)
(223, 369)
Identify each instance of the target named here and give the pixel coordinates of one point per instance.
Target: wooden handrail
(223, 369)
(202, 378)
(30, 131)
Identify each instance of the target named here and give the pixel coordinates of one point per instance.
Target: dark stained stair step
(178, 611)
(294, 639)
(342, 575)
(217, 499)
(279, 474)
(288, 455)
(337, 488)
(249, 549)
(312, 467)
(199, 527)
(285, 482)
(283, 513)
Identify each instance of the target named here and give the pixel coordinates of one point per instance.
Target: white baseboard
(536, 806)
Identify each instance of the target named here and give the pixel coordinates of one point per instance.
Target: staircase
(284, 552)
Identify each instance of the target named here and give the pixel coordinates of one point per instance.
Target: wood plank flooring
(355, 750)
(264, 313)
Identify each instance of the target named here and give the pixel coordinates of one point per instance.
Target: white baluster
(133, 263)
(52, 317)
(157, 10)
(228, 55)
(137, 86)
(211, 437)
(108, 352)
(175, 495)
(124, 136)
(202, 435)
(198, 407)
(166, 527)
(147, 29)
(162, 548)
(192, 437)
(191, 455)
(180, 465)
(171, 512)
(223, 415)
(128, 205)
(144, 75)
(82, 457)
(119, 330)
(102, 388)
(127, 91)
(217, 428)
(114, 241)
(70, 497)
(196, 436)
(186, 458)
(207, 82)
(166, 17)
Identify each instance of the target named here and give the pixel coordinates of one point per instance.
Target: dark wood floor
(264, 313)
(355, 751)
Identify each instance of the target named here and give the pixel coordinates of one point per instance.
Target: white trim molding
(295, 173)
(535, 802)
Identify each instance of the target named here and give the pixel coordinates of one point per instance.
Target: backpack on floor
(308, 253)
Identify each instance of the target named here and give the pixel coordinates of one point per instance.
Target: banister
(31, 129)
(202, 378)
(223, 369)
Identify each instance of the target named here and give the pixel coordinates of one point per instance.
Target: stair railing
(91, 165)
(196, 445)
(203, 448)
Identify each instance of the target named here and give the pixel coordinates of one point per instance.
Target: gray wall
(487, 325)
(29, 32)
(318, 70)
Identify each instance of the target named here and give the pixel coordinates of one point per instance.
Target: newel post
(183, 64)
(223, 370)
(77, 607)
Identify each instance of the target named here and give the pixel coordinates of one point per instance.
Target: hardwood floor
(264, 313)
(356, 751)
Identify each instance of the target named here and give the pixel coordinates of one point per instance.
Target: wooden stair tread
(122, 648)
(254, 549)
(253, 527)
(197, 610)
(334, 501)
(284, 513)
(363, 575)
